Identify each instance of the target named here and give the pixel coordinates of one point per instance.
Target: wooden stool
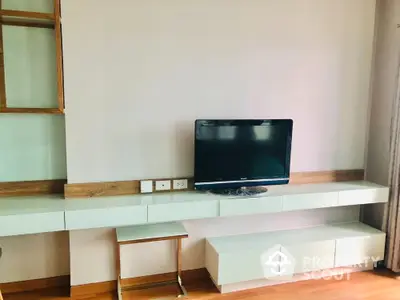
(147, 234)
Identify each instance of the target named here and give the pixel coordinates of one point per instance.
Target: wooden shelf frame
(27, 14)
(36, 20)
(26, 23)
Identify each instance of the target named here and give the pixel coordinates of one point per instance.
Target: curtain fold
(391, 220)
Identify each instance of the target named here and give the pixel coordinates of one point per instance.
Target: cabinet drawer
(105, 217)
(239, 267)
(31, 223)
(236, 207)
(363, 196)
(182, 211)
(359, 250)
(309, 201)
(309, 257)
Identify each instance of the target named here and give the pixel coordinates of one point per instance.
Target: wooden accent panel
(326, 176)
(36, 284)
(22, 110)
(26, 14)
(28, 188)
(92, 289)
(59, 55)
(96, 189)
(115, 188)
(25, 23)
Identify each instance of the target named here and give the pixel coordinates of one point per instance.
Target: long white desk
(28, 215)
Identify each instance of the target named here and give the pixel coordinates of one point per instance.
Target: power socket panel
(180, 184)
(163, 185)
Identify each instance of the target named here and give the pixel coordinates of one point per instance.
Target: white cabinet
(312, 256)
(363, 196)
(250, 206)
(182, 211)
(242, 258)
(31, 223)
(359, 250)
(105, 217)
(309, 201)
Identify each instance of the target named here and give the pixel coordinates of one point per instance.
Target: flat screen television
(237, 154)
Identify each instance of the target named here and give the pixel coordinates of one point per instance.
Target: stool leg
(178, 257)
(117, 266)
(1, 296)
(179, 267)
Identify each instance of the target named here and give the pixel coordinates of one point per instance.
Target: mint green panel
(45, 6)
(32, 147)
(30, 67)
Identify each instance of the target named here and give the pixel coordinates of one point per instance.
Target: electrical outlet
(180, 184)
(163, 185)
(146, 186)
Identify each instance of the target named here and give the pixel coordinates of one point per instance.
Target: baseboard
(342, 273)
(188, 276)
(35, 284)
(93, 289)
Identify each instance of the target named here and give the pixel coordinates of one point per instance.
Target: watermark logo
(278, 263)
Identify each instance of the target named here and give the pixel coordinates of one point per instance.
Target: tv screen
(239, 153)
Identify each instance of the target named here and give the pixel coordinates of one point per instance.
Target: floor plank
(360, 286)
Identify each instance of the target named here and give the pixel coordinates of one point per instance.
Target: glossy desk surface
(116, 211)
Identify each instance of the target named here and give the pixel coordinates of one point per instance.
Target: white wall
(383, 93)
(34, 256)
(138, 73)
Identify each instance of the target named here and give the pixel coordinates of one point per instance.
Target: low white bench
(237, 260)
(146, 234)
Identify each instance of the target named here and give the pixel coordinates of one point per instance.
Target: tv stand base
(243, 191)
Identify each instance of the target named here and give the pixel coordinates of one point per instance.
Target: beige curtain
(391, 220)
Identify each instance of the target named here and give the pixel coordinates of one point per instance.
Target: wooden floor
(360, 286)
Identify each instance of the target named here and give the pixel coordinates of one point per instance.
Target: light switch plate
(146, 186)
